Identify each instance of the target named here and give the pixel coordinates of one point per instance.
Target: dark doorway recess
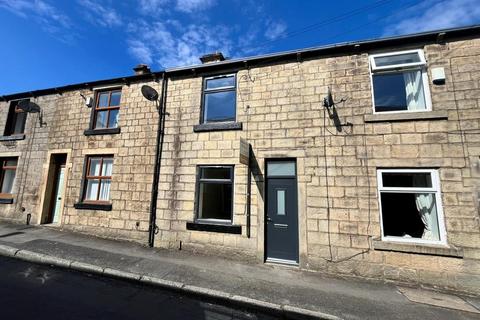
(54, 192)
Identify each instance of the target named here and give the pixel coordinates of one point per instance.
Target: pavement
(282, 291)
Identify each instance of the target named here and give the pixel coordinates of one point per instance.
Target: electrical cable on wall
(26, 163)
(330, 103)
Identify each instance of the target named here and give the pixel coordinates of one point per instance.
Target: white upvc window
(400, 82)
(411, 206)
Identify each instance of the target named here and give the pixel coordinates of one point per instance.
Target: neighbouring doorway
(281, 213)
(54, 191)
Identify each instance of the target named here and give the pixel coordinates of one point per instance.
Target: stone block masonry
(280, 105)
(281, 109)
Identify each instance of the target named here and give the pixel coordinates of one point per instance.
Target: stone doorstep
(291, 312)
(437, 299)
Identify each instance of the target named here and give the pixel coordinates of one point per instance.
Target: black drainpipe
(162, 105)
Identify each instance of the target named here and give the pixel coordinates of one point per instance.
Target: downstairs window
(215, 194)
(410, 205)
(98, 179)
(7, 176)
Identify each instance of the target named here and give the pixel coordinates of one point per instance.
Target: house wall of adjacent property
(30, 151)
(281, 109)
(133, 151)
(66, 118)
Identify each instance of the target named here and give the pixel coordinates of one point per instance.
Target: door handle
(269, 219)
(59, 198)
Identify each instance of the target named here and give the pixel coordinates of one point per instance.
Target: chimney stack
(142, 69)
(212, 57)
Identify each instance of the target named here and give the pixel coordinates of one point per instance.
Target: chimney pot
(142, 69)
(212, 57)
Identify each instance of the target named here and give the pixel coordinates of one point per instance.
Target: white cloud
(50, 18)
(274, 30)
(153, 7)
(100, 14)
(140, 51)
(191, 6)
(432, 15)
(158, 43)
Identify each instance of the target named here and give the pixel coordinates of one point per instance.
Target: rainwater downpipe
(162, 105)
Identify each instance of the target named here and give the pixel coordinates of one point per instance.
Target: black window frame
(206, 91)
(199, 181)
(12, 119)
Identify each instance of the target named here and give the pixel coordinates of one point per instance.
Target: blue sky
(48, 43)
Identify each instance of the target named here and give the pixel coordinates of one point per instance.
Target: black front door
(281, 212)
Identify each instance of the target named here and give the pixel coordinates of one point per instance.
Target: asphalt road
(30, 291)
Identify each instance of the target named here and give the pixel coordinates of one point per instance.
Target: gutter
(351, 47)
(162, 106)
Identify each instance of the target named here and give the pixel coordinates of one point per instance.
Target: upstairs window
(15, 120)
(107, 107)
(215, 193)
(7, 176)
(219, 99)
(410, 204)
(400, 82)
(98, 179)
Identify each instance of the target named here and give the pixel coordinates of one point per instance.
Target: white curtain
(8, 179)
(94, 167)
(414, 90)
(92, 188)
(105, 190)
(428, 212)
(107, 167)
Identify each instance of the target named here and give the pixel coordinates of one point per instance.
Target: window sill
(406, 116)
(425, 249)
(221, 126)
(6, 200)
(12, 137)
(94, 132)
(93, 206)
(210, 227)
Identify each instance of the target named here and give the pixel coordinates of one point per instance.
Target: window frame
(435, 189)
(205, 91)
(86, 177)
(96, 109)
(374, 67)
(12, 117)
(421, 66)
(3, 160)
(215, 181)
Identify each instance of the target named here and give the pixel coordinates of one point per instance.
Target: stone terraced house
(358, 158)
